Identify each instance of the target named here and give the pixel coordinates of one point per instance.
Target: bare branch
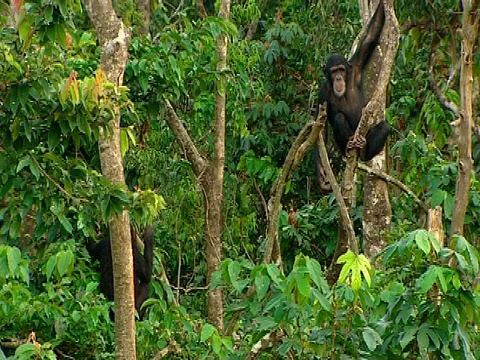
(393, 181)
(193, 155)
(304, 142)
(442, 99)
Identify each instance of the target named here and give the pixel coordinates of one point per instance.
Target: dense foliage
(54, 104)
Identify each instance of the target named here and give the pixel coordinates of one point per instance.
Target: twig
(49, 178)
(393, 181)
(442, 99)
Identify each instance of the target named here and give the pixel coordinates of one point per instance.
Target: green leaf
(422, 239)
(354, 266)
(275, 274)
(65, 223)
(315, 270)
(324, 302)
(23, 94)
(371, 338)
(65, 261)
(34, 170)
(123, 142)
(26, 351)
(24, 162)
(437, 198)
(365, 268)
(53, 136)
(227, 343)
(25, 274)
(347, 259)
(426, 281)
(265, 323)
(216, 343)
(13, 258)
(422, 338)
(441, 278)
(25, 31)
(143, 81)
(302, 284)
(434, 337)
(262, 284)
(408, 336)
(216, 280)
(207, 331)
(52, 261)
(233, 270)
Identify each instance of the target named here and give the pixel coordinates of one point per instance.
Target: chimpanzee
(142, 264)
(343, 91)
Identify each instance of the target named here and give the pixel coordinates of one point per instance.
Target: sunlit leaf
(207, 331)
(422, 240)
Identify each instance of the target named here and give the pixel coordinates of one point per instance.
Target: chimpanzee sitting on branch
(142, 264)
(345, 96)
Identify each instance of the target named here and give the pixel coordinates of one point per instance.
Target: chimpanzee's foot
(356, 142)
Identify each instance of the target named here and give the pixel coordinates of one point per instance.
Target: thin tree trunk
(144, 9)
(114, 40)
(213, 181)
(465, 162)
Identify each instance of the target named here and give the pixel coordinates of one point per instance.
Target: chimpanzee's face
(338, 78)
(337, 70)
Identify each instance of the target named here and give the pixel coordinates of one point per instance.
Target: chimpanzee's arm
(143, 264)
(375, 26)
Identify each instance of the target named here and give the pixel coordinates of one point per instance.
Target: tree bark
(144, 9)
(377, 211)
(212, 182)
(465, 162)
(114, 40)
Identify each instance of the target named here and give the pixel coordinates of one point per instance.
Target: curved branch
(304, 142)
(393, 181)
(193, 155)
(442, 99)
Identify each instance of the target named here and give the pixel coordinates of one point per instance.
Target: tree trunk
(114, 40)
(144, 9)
(212, 181)
(465, 162)
(377, 211)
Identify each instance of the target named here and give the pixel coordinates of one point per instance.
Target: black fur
(142, 264)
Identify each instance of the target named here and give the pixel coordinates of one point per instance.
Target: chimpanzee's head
(337, 72)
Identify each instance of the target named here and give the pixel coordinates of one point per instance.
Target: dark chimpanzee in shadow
(345, 96)
(142, 264)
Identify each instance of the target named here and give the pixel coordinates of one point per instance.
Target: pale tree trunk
(210, 174)
(377, 211)
(465, 162)
(212, 181)
(114, 40)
